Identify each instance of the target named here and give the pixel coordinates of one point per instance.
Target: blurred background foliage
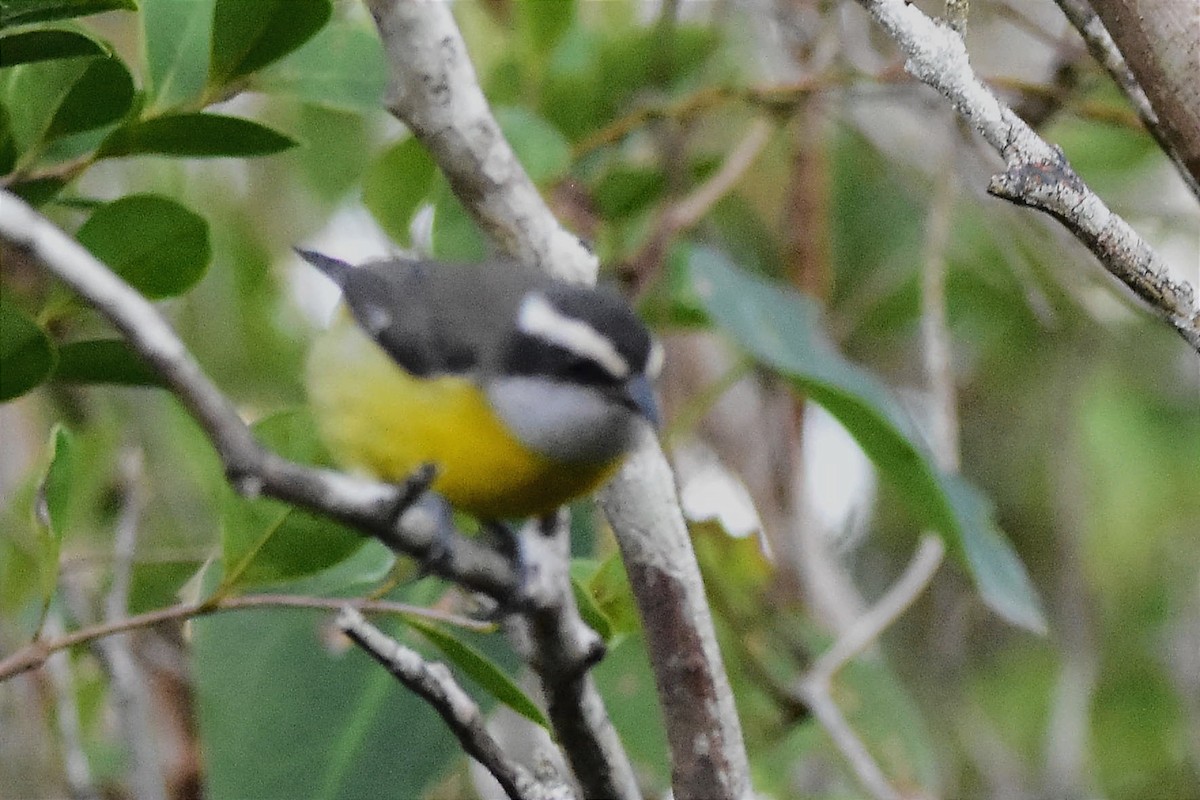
(191, 144)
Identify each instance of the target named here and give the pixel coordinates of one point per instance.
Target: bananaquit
(524, 393)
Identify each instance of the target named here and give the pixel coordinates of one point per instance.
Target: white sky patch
(707, 490)
(839, 480)
(538, 318)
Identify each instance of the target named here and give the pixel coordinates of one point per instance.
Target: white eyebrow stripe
(654, 361)
(538, 318)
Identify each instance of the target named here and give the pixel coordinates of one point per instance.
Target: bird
(520, 393)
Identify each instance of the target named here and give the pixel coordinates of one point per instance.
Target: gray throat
(562, 421)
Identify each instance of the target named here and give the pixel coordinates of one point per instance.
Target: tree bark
(1160, 40)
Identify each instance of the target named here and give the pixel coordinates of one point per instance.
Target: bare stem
(33, 655)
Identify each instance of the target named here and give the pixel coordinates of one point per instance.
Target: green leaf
(39, 191)
(782, 330)
(26, 354)
(543, 151)
(342, 67)
(265, 541)
(49, 99)
(102, 95)
(177, 36)
(626, 190)
(22, 12)
(156, 244)
(285, 715)
(589, 610)
(482, 670)
(197, 135)
(545, 21)
(110, 361)
(456, 237)
(50, 513)
(396, 185)
(44, 45)
(248, 36)
(8, 145)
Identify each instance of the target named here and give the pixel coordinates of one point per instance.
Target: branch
(434, 91)
(1037, 173)
(367, 506)
(34, 654)
(703, 729)
(1160, 41)
(1102, 47)
(562, 649)
(688, 211)
(815, 688)
(436, 685)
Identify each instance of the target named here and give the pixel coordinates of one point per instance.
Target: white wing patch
(538, 318)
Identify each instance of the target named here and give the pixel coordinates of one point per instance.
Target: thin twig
(562, 649)
(130, 692)
(691, 209)
(867, 628)
(76, 766)
(433, 682)
(33, 655)
(815, 688)
(1037, 174)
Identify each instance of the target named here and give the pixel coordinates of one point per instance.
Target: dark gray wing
(399, 305)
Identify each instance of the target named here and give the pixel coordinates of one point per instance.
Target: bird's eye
(586, 371)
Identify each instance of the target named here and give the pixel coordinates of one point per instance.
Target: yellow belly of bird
(376, 418)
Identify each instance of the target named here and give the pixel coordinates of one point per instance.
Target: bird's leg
(414, 486)
(508, 541)
(417, 506)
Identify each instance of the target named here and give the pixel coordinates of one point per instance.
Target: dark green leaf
(8, 145)
(21, 12)
(48, 99)
(342, 67)
(782, 329)
(177, 37)
(264, 541)
(38, 191)
(197, 135)
(396, 185)
(29, 46)
(248, 36)
(102, 95)
(627, 190)
(156, 244)
(103, 361)
(543, 151)
(482, 670)
(26, 355)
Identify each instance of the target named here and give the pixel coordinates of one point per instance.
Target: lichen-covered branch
(1102, 48)
(1037, 173)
